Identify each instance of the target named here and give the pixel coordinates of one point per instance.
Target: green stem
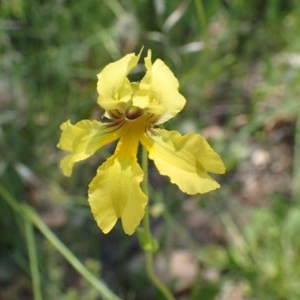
(32, 253)
(29, 214)
(146, 224)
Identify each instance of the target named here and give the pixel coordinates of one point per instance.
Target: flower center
(133, 112)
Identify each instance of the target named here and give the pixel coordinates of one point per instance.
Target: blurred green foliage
(238, 65)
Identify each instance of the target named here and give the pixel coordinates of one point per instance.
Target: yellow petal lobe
(115, 191)
(185, 159)
(113, 87)
(161, 86)
(83, 139)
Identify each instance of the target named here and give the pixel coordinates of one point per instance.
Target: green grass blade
(33, 261)
(68, 255)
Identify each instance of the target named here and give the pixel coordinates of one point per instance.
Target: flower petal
(113, 86)
(83, 139)
(115, 193)
(185, 159)
(160, 83)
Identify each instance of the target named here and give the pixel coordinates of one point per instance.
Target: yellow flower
(133, 109)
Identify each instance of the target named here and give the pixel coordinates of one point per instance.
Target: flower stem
(149, 251)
